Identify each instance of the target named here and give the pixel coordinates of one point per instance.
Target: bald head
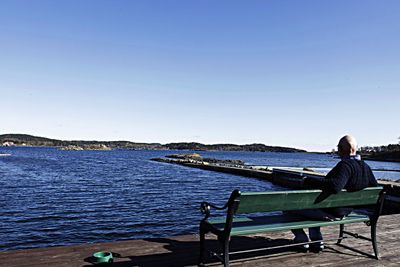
(347, 146)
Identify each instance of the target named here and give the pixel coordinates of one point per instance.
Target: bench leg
(373, 239)
(341, 232)
(202, 248)
(226, 253)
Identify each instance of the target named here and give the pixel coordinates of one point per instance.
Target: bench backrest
(303, 199)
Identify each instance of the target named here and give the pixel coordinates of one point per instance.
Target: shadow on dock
(186, 253)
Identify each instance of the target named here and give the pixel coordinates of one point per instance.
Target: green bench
(259, 202)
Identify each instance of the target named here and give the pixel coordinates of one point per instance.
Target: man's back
(351, 174)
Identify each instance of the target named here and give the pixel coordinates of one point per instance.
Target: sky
(286, 73)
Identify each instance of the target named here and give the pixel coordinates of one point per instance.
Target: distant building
(7, 143)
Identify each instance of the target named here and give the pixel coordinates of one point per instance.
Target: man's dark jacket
(351, 174)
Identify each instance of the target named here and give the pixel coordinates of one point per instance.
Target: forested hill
(29, 140)
(231, 147)
(382, 153)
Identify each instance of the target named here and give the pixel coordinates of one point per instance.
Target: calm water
(50, 197)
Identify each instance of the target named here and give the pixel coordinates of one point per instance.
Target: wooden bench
(256, 202)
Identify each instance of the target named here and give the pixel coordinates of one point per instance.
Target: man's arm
(371, 178)
(313, 182)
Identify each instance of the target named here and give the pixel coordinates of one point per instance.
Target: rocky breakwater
(195, 158)
(86, 147)
(236, 167)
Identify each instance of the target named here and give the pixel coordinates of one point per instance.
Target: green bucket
(103, 257)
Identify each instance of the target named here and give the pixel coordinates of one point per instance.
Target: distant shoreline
(36, 141)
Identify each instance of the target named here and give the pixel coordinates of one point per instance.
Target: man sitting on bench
(350, 173)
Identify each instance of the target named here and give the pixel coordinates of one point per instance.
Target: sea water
(50, 197)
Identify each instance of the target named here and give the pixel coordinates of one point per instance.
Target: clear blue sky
(289, 73)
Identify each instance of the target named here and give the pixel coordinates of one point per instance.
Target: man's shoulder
(353, 164)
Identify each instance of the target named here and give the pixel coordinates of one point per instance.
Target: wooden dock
(183, 251)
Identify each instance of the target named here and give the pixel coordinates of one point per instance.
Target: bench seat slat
(271, 223)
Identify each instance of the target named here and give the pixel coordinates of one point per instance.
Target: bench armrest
(205, 208)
